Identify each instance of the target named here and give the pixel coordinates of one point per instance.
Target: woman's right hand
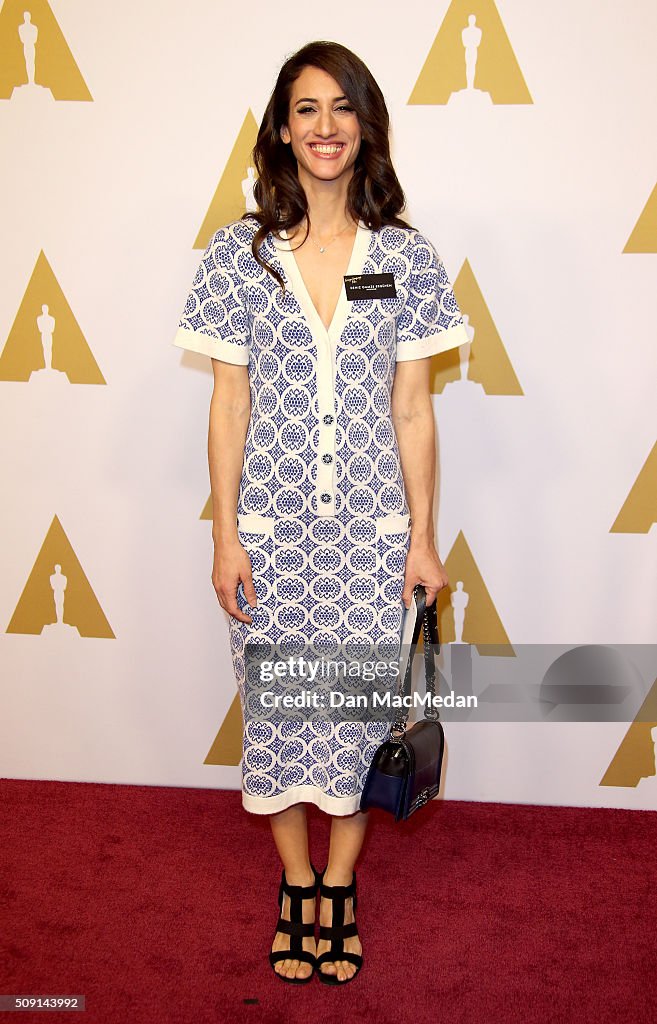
(232, 565)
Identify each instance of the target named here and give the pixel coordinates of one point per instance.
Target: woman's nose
(326, 124)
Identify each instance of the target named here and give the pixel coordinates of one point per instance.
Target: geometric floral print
(322, 509)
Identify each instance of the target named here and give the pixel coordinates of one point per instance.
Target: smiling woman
(328, 130)
(322, 458)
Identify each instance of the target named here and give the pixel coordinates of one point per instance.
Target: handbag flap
(391, 759)
(426, 738)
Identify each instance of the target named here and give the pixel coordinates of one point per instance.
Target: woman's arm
(230, 409)
(413, 419)
(412, 415)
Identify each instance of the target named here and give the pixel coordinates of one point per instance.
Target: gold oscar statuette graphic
(227, 746)
(639, 510)
(234, 193)
(635, 758)
(46, 345)
(644, 235)
(37, 64)
(207, 509)
(471, 64)
(482, 364)
(57, 598)
(466, 611)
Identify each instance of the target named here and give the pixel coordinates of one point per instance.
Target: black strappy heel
(338, 931)
(295, 927)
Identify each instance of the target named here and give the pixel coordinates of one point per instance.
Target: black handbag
(405, 771)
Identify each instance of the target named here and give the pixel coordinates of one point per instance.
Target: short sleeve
(215, 320)
(430, 320)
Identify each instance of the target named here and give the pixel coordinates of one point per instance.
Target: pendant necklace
(323, 248)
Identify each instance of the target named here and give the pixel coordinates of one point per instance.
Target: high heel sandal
(338, 931)
(295, 927)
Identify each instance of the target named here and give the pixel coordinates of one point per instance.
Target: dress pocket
(393, 537)
(394, 523)
(256, 535)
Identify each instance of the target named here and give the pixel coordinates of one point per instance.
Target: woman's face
(322, 127)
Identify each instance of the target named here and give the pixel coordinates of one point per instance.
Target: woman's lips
(326, 151)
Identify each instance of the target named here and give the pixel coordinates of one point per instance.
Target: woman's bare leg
(290, 831)
(347, 835)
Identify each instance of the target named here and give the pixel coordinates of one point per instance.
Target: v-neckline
(359, 253)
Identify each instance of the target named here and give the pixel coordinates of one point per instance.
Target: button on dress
(322, 509)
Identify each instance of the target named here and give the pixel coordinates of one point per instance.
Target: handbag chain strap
(427, 620)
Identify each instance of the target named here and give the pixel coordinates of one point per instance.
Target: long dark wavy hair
(374, 194)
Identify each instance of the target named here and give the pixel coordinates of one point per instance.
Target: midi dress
(322, 509)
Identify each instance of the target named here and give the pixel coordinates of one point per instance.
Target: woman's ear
(284, 133)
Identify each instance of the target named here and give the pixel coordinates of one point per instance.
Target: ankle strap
(303, 892)
(337, 891)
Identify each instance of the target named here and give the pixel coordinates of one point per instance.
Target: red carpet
(159, 905)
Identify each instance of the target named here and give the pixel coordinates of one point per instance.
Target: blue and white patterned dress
(322, 509)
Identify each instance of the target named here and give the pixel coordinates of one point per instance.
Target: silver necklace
(323, 248)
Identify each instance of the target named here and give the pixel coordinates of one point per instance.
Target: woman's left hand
(423, 566)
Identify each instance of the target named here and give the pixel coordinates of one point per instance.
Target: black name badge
(370, 286)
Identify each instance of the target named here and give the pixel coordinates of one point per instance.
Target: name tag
(370, 286)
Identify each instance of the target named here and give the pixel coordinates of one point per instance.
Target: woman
(307, 440)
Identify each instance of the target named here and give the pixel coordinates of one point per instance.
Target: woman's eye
(305, 110)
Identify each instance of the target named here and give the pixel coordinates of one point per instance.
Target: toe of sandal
(336, 933)
(328, 957)
(286, 954)
(295, 928)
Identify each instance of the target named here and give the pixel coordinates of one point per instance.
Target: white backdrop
(530, 202)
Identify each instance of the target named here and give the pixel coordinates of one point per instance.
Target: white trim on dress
(209, 345)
